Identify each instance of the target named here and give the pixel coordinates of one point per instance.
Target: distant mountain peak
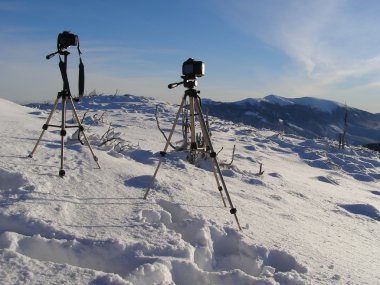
(247, 101)
(320, 104)
(275, 99)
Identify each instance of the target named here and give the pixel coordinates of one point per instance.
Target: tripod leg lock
(63, 133)
(213, 154)
(233, 211)
(193, 146)
(220, 188)
(162, 153)
(45, 127)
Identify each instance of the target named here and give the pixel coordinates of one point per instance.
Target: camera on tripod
(193, 68)
(66, 39)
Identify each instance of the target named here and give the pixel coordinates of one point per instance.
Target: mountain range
(307, 116)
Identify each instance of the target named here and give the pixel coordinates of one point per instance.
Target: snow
(312, 217)
(249, 113)
(321, 104)
(248, 101)
(274, 99)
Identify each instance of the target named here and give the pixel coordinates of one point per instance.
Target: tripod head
(60, 52)
(189, 83)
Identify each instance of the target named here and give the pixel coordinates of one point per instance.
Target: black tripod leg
(220, 188)
(63, 134)
(45, 126)
(213, 158)
(82, 130)
(163, 153)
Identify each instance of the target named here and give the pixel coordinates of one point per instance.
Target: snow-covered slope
(311, 218)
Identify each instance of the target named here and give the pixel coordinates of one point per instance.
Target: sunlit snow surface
(311, 218)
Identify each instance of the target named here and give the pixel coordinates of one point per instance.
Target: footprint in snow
(221, 250)
(13, 184)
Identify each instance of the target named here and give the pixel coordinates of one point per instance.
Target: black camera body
(66, 39)
(192, 68)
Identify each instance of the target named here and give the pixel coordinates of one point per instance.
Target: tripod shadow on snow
(141, 181)
(142, 156)
(75, 145)
(106, 201)
(53, 145)
(26, 156)
(29, 139)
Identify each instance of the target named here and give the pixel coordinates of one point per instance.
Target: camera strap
(81, 73)
(81, 79)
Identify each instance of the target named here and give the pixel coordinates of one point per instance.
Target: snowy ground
(311, 218)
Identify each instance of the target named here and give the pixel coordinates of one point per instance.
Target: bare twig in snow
(158, 126)
(261, 171)
(224, 164)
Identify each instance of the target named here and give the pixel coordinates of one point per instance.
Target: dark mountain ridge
(307, 116)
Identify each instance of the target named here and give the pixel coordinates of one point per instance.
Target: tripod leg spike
(237, 222)
(153, 178)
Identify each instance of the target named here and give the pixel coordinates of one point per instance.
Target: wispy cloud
(327, 38)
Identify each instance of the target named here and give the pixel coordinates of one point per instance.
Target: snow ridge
(321, 104)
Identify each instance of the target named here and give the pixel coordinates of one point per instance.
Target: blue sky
(324, 48)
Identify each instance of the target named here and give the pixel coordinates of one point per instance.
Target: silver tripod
(65, 96)
(195, 109)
